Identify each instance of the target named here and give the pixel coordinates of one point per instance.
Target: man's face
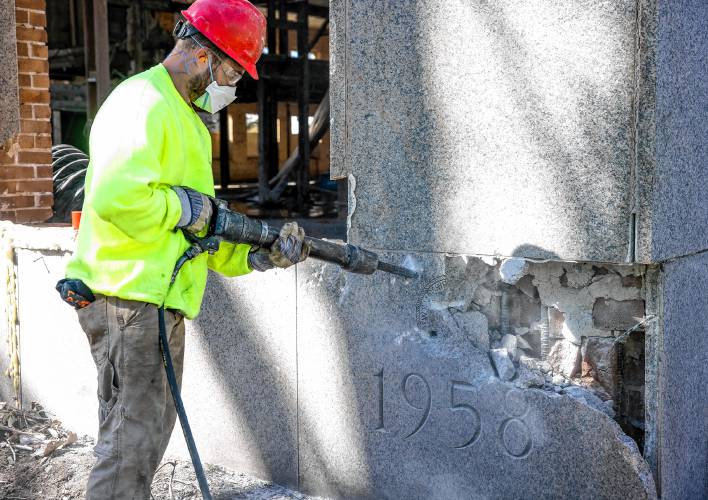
(226, 72)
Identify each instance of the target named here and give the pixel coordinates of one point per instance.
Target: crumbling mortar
(476, 285)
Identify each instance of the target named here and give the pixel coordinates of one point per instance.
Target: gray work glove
(197, 209)
(290, 248)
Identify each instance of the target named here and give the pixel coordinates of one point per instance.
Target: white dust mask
(215, 97)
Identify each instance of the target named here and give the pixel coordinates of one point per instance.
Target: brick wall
(25, 160)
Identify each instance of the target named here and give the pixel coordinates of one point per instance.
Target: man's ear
(201, 55)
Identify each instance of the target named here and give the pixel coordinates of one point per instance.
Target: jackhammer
(235, 227)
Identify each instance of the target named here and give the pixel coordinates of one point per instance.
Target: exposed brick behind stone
(31, 4)
(611, 314)
(25, 160)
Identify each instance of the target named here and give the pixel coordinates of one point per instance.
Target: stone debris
(502, 363)
(512, 270)
(547, 325)
(27, 470)
(528, 377)
(508, 341)
(475, 326)
(565, 358)
(31, 431)
(589, 398)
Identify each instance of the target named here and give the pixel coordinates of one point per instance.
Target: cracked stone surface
(414, 408)
(379, 385)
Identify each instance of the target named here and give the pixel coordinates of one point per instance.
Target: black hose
(174, 389)
(69, 166)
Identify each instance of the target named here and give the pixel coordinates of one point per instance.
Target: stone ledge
(39, 237)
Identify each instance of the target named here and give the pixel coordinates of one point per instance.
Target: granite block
(683, 375)
(337, 88)
(390, 408)
(679, 211)
(9, 97)
(495, 128)
(240, 385)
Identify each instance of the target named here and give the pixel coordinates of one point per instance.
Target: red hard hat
(235, 26)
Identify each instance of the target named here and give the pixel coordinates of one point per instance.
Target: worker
(149, 179)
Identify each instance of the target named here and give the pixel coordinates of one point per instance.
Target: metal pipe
(238, 228)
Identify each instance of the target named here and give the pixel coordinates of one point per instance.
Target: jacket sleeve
(231, 259)
(125, 185)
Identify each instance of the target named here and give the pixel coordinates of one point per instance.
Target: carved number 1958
(455, 389)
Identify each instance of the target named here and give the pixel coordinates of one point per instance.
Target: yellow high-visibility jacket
(144, 139)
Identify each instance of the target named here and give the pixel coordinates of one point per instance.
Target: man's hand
(290, 248)
(197, 209)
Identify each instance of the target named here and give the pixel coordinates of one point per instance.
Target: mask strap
(208, 56)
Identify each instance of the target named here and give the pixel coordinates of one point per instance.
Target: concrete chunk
(502, 363)
(565, 358)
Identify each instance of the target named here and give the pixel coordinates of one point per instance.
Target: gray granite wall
(571, 130)
(679, 216)
(682, 398)
(337, 384)
(9, 98)
(497, 128)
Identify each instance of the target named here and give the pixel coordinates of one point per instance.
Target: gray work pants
(136, 413)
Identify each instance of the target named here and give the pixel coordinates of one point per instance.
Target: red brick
(5, 159)
(25, 65)
(34, 157)
(40, 81)
(34, 186)
(25, 34)
(7, 215)
(22, 16)
(39, 51)
(23, 49)
(16, 173)
(35, 126)
(7, 188)
(34, 96)
(17, 202)
(43, 141)
(38, 19)
(43, 171)
(25, 215)
(26, 141)
(26, 109)
(24, 80)
(43, 200)
(31, 4)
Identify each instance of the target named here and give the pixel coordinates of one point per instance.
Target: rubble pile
(30, 432)
(41, 459)
(556, 326)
